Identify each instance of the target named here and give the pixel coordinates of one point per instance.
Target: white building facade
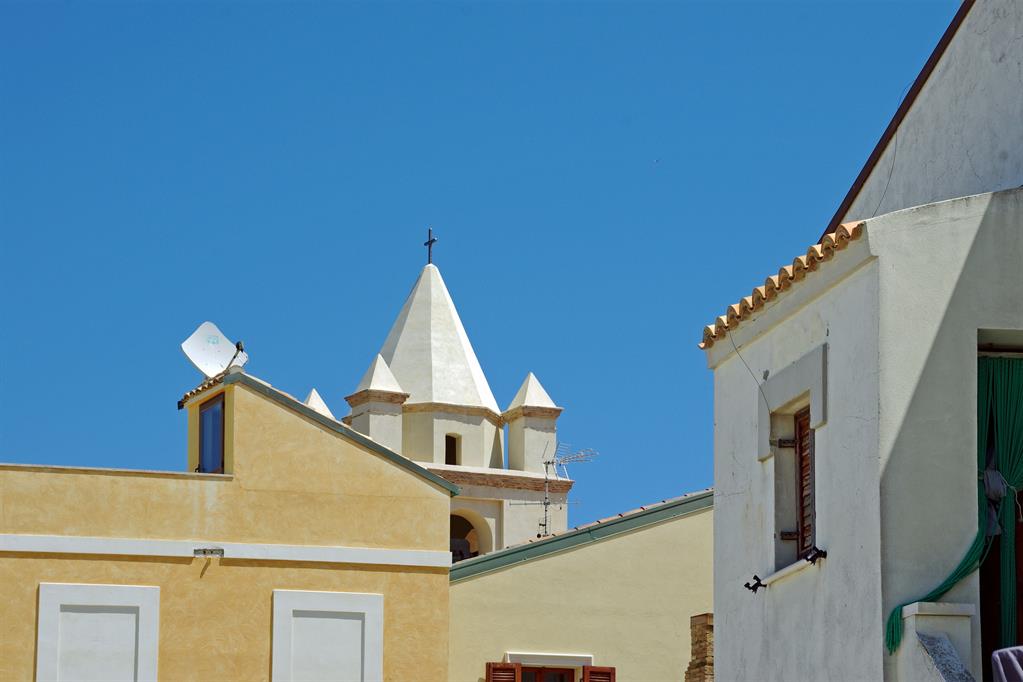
(426, 397)
(848, 484)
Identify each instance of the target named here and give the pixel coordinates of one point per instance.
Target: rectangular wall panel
(327, 636)
(97, 632)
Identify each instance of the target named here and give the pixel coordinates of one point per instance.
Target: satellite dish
(211, 352)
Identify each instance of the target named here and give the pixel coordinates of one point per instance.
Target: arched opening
(470, 536)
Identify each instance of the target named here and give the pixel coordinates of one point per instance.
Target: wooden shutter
(594, 673)
(804, 482)
(504, 672)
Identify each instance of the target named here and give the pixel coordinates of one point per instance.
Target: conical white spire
(379, 378)
(315, 402)
(531, 394)
(429, 352)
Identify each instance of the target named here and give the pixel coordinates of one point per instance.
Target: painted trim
(564, 660)
(75, 544)
(347, 432)
(371, 606)
(900, 115)
(54, 596)
(808, 374)
(511, 556)
(62, 469)
(451, 408)
(797, 566)
(936, 608)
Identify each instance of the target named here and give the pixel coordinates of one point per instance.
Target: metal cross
(431, 240)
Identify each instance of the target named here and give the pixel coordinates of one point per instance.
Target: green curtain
(1007, 413)
(999, 403)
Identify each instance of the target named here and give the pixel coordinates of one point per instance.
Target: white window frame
(371, 606)
(808, 374)
(54, 596)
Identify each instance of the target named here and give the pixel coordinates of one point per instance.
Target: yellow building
(316, 554)
(604, 600)
(297, 546)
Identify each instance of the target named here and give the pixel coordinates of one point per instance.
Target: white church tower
(425, 396)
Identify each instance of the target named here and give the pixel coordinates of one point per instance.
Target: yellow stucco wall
(626, 600)
(294, 482)
(217, 626)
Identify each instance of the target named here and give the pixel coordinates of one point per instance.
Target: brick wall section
(701, 665)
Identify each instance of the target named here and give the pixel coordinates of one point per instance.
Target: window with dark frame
(451, 454)
(805, 497)
(211, 436)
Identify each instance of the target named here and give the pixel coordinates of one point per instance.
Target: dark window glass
(211, 436)
(451, 450)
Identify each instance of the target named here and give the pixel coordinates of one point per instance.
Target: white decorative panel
(327, 645)
(334, 636)
(97, 642)
(97, 632)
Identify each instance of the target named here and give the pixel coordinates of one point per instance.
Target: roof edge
(900, 115)
(511, 556)
(294, 405)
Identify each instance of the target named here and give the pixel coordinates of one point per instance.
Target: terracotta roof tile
(777, 284)
(204, 386)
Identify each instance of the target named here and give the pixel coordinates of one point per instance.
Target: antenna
(564, 454)
(211, 352)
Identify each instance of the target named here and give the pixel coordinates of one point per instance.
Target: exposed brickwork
(701, 664)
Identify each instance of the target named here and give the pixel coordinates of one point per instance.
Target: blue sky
(604, 178)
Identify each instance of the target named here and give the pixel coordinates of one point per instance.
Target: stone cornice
(470, 410)
(528, 411)
(501, 478)
(370, 395)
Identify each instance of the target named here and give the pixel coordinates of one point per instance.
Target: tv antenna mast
(564, 454)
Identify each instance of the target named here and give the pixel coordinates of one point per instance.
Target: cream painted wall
(530, 441)
(824, 622)
(423, 438)
(509, 521)
(962, 135)
(626, 600)
(948, 270)
(380, 421)
(294, 482)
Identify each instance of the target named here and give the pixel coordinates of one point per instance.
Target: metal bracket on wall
(816, 553)
(756, 585)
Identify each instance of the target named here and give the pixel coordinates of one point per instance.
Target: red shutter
(804, 481)
(593, 673)
(504, 672)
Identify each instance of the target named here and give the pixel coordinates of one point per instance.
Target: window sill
(792, 569)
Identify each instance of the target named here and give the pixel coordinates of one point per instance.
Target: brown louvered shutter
(593, 673)
(504, 672)
(804, 481)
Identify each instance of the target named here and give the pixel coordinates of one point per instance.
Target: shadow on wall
(929, 473)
